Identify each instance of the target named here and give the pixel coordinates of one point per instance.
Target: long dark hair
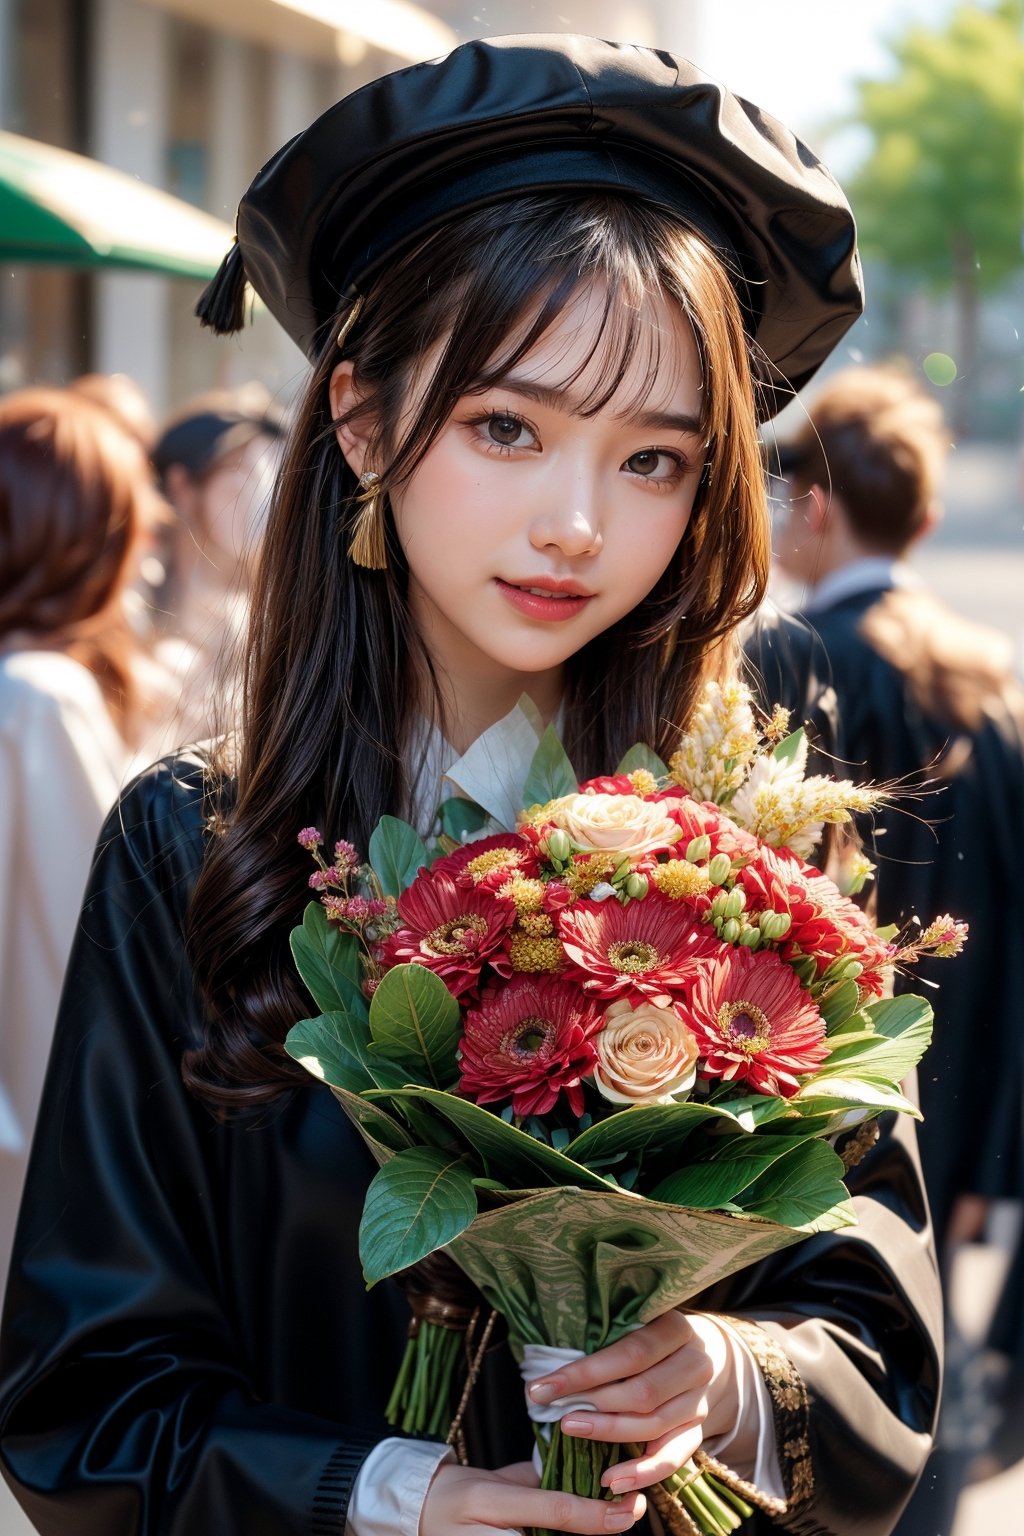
(336, 675)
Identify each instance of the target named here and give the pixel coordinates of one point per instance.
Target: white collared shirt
(858, 576)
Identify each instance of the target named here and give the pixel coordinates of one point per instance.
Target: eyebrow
(560, 400)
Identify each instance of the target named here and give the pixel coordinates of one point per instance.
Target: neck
(473, 705)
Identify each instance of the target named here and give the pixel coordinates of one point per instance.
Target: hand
(473, 1503)
(665, 1386)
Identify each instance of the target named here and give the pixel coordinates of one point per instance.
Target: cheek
(646, 548)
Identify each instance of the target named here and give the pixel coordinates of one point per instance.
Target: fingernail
(543, 1392)
(622, 1485)
(619, 1520)
(577, 1426)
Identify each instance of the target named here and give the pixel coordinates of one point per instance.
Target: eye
(655, 464)
(507, 431)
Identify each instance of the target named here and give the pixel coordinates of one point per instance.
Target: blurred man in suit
(929, 700)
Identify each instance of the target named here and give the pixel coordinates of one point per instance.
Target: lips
(545, 599)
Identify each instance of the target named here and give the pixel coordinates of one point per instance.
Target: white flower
(622, 824)
(719, 744)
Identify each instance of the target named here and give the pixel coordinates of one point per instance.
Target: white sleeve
(391, 1485)
(748, 1449)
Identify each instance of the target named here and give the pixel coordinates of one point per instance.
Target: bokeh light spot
(939, 368)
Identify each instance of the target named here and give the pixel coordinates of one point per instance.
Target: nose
(571, 519)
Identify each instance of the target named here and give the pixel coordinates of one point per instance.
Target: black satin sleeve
(853, 1362)
(152, 1375)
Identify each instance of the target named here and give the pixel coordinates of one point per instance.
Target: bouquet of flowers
(601, 1057)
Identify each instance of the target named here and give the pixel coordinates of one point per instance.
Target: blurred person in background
(927, 699)
(216, 460)
(126, 400)
(76, 498)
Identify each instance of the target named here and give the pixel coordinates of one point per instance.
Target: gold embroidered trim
(790, 1410)
(856, 1147)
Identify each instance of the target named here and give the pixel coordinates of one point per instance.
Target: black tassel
(222, 302)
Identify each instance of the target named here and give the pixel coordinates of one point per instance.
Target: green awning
(61, 209)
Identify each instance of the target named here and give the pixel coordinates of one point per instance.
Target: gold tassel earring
(368, 548)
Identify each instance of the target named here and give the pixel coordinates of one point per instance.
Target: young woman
(547, 286)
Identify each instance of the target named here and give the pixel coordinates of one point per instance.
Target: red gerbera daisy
(488, 862)
(529, 1041)
(825, 924)
(755, 1023)
(647, 948)
(452, 930)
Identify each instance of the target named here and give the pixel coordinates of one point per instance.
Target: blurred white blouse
(62, 764)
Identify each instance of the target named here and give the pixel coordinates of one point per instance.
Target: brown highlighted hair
(877, 441)
(75, 495)
(336, 678)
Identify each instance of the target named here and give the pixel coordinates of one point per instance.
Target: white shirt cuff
(749, 1449)
(391, 1485)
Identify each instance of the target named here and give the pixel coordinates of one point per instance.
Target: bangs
(520, 267)
(627, 333)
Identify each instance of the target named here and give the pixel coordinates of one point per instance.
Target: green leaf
(838, 1004)
(640, 756)
(752, 1110)
(335, 1048)
(840, 1095)
(902, 1033)
(551, 774)
(505, 1152)
(733, 1165)
(415, 1020)
(396, 853)
(788, 748)
(419, 1201)
(328, 960)
(662, 1128)
(803, 1190)
(460, 817)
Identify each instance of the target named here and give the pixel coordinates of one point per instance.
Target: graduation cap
(501, 117)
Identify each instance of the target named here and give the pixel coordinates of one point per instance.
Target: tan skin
(518, 487)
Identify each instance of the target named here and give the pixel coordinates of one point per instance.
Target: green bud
(774, 925)
(636, 886)
(622, 872)
(559, 847)
(844, 970)
(720, 869)
(750, 938)
(698, 849)
(734, 903)
(729, 931)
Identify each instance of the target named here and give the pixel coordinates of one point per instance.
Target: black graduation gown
(188, 1348)
(955, 848)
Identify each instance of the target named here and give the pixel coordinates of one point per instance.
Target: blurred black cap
(216, 424)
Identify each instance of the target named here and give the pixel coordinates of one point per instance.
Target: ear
(183, 493)
(354, 435)
(933, 515)
(819, 502)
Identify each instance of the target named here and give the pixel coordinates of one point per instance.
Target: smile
(548, 604)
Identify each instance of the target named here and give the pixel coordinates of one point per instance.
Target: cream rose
(622, 824)
(646, 1055)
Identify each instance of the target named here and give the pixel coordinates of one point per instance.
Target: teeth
(544, 592)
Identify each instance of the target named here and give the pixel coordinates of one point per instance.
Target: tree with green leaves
(940, 195)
